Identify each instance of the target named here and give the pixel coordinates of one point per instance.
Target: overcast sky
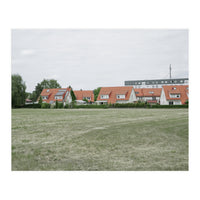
(87, 59)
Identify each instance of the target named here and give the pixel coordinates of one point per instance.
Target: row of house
(167, 95)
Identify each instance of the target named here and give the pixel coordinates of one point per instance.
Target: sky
(91, 58)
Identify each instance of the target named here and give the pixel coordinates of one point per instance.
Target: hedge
(28, 106)
(90, 106)
(45, 105)
(117, 105)
(169, 106)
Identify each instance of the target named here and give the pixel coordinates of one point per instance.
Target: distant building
(61, 95)
(81, 95)
(114, 95)
(28, 101)
(156, 83)
(174, 95)
(149, 95)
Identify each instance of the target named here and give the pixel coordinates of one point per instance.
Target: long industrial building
(156, 83)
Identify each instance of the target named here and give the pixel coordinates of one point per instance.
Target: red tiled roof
(113, 92)
(148, 92)
(81, 94)
(176, 89)
(50, 93)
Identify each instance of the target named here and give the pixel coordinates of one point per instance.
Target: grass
(100, 139)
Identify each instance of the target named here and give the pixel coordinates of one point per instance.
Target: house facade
(149, 95)
(82, 95)
(174, 95)
(112, 95)
(61, 95)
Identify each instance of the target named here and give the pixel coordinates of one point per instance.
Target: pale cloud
(27, 52)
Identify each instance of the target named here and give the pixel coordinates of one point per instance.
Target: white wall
(163, 100)
(132, 97)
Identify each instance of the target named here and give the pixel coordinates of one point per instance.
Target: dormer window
(58, 97)
(88, 98)
(121, 96)
(105, 96)
(48, 90)
(45, 97)
(175, 95)
(151, 92)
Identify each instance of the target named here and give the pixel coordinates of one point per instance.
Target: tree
(46, 83)
(56, 104)
(18, 90)
(72, 94)
(40, 100)
(85, 100)
(96, 93)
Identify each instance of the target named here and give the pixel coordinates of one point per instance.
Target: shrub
(66, 106)
(56, 106)
(40, 100)
(45, 105)
(90, 106)
(60, 105)
(169, 106)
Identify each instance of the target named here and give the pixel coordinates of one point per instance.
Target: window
(165, 81)
(121, 96)
(171, 103)
(44, 97)
(136, 92)
(162, 81)
(175, 95)
(151, 92)
(48, 90)
(88, 98)
(58, 97)
(105, 96)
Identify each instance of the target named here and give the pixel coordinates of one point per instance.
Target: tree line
(19, 94)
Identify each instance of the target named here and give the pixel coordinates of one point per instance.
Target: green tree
(46, 83)
(56, 104)
(18, 90)
(85, 100)
(96, 93)
(40, 100)
(72, 94)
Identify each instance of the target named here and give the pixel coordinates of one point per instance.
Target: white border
(99, 14)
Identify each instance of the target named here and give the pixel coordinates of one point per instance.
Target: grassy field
(100, 139)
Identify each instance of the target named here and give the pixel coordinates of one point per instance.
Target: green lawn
(100, 139)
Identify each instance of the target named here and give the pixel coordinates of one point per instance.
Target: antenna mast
(170, 70)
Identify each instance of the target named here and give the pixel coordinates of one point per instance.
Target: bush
(29, 106)
(56, 106)
(66, 106)
(60, 105)
(90, 106)
(169, 106)
(45, 105)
